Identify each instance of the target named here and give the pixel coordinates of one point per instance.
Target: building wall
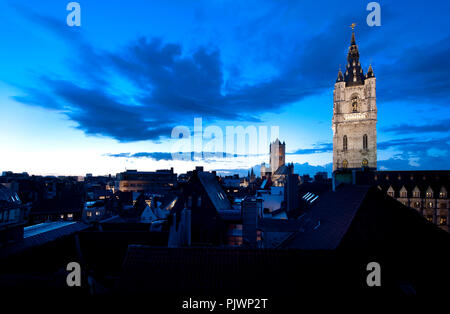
(277, 155)
(354, 125)
(424, 191)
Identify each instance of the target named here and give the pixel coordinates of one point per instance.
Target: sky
(108, 95)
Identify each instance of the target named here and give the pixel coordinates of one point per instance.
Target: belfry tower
(354, 115)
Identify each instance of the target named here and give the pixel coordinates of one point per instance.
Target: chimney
(250, 217)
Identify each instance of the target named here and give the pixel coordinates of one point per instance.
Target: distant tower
(354, 115)
(277, 155)
(264, 170)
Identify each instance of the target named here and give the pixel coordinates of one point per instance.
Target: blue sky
(105, 96)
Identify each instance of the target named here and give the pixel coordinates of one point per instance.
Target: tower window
(345, 163)
(344, 143)
(365, 162)
(365, 142)
(355, 103)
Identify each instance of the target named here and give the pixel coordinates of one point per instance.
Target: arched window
(345, 164)
(355, 103)
(365, 162)
(344, 143)
(365, 143)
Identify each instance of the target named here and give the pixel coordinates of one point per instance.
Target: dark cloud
(418, 73)
(442, 126)
(143, 90)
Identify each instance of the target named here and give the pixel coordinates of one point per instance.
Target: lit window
(62, 216)
(429, 194)
(391, 193)
(97, 213)
(430, 218)
(89, 214)
(442, 195)
(443, 220)
(355, 102)
(430, 204)
(416, 194)
(417, 204)
(365, 162)
(69, 216)
(403, 194)
(345, 164)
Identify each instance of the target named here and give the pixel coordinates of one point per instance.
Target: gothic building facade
(354, 115)
(277, 158)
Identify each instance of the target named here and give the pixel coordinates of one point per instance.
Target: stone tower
(354, 115)
(277, 155)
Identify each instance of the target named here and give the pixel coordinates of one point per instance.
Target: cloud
(413, 152)
(205, 156)
(418, 73)
(442, 126)
(142, 91)
(318, 148)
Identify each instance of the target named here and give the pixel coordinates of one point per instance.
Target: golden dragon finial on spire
(353, 25)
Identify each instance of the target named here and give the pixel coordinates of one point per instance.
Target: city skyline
(164, 65)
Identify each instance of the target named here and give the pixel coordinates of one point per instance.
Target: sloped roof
(43, 233)
(8, 196)
(214, 190)
(408, 179)
(282, 170)
(326, 223)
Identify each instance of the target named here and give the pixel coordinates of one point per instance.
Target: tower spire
(353, 41)
(354, 74)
